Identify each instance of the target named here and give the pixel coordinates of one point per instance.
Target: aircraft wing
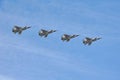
(88, 38)
(17, 27)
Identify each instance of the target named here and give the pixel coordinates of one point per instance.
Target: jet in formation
(64, 37)
(18, 29)
(67, 37)
(45, 33)
(88, 41)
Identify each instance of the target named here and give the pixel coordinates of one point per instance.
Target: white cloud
(3, 77)
(55, 56)
(62, 60)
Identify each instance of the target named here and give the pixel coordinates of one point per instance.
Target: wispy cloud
(87, 23)
(66, 16)
(4, 77)
(59, 59)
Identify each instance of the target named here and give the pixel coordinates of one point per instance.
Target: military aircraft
(19, 29)
(45, 33)
(89, 41)
(68, 37)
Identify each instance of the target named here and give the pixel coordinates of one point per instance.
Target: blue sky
(30, 57)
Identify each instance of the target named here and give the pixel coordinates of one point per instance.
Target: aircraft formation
(65, 37)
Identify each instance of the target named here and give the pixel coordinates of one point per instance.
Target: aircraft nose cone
(41, 32)
(63, 36)
(14, 29)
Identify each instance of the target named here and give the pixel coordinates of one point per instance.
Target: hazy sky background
(30, 57)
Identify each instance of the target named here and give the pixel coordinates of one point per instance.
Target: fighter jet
(89, 41)
(45, 33)
(19, 30)
(68, 37)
